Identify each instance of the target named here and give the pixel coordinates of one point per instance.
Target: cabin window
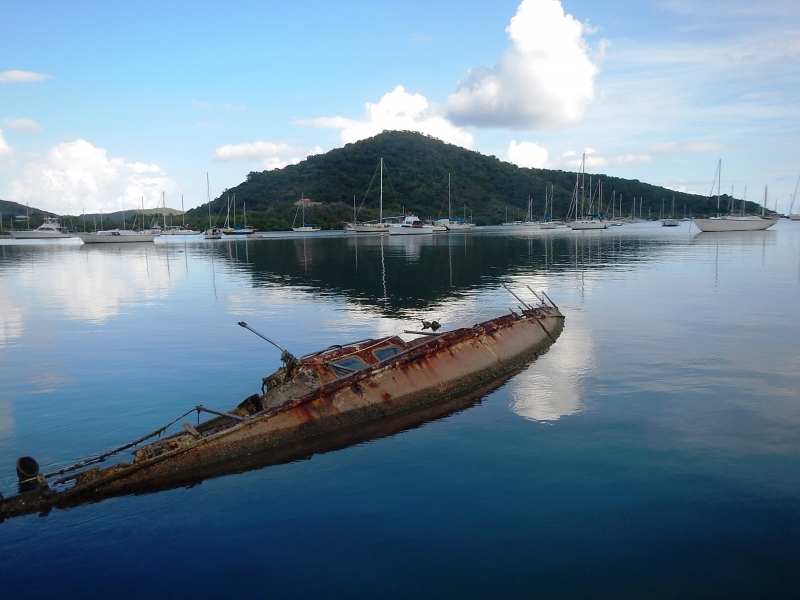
(345, 367)
(385, 352)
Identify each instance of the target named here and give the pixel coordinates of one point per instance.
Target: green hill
(415, 180)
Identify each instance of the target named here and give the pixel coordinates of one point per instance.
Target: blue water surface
(653, 451)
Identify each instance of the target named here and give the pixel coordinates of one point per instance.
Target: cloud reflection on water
(94, 283)
(551, 387)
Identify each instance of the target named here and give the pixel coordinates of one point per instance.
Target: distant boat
(178, 230)
(582, 221)
(669, 222)
(227, 229)
(212, 233)
(548, 222)
(307, 227)
(722, 223)
(50, 229)
(411, 225)
(793, 216)
(116, 236)
(451, 224)
(378, 226)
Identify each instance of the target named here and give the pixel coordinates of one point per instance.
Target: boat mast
(719, 181)
(449, 208)
(380, 209)
(208, 197)
(183, 213)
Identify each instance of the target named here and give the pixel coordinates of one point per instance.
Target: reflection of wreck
(323, 401)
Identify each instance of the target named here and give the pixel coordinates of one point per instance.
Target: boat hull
(734, 224)
(426, 379)
(116, 237)
(367, 228)
(583, 225)
(38, 235)
(410, 231)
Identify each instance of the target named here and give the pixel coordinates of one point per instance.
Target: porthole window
(346, 366)
(385, 352)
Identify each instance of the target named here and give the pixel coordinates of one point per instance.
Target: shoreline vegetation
(484, 188)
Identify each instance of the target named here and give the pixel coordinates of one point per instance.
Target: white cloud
(6, 151)
(25, 125)
(545, 80)
(397, 110)
(571, 160)
(526, 154)
(76, 175)
(22, 77)
(276, 156)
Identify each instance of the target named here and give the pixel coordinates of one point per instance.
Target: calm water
(654, 451)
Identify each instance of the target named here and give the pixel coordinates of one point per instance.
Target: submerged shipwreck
(322, 401)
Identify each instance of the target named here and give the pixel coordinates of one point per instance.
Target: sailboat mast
(719, 180)
(183, 213)
(208, 197)
(449, 207)
(380, 209)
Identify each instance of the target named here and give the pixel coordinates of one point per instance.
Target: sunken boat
(319, 402)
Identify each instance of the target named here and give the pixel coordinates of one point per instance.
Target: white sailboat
(722, 223)
(378, 226)
(549, 222)
(306, 227)
(669, 221)
(793, 216)
(581, 221)
(450, 223)
(212, 233)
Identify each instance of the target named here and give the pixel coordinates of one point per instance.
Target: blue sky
(101, 103)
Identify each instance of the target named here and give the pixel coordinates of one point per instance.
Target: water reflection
(551, 389)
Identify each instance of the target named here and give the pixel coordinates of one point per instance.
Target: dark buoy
(27, 468)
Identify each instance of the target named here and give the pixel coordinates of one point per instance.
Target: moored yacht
(50, 229)
(411, 225)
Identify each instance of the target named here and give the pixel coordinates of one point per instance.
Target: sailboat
(548, 222)
(228, 230)
(794, 216)
(583, 221)
(306, 227)
(671, 221)
(212, 233)
(378, 226)
(450, 223)
(722, 223)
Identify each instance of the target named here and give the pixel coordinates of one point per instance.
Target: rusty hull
(284, 422)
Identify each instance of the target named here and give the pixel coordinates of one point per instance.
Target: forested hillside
(415, 180)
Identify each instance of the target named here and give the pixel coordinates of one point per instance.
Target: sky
(105, 104)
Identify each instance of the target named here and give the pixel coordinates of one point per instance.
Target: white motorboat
(411, 225)
(116, 236)
(50, 229)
